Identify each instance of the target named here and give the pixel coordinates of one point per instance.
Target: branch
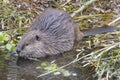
(114, 21)
(82, 8)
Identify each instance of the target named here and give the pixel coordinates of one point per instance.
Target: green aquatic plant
(6, 42)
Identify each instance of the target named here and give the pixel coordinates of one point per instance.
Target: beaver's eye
(37, 38)
(26, 44)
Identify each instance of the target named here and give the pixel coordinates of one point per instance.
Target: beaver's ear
(37, 38)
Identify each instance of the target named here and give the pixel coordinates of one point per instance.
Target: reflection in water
(26, 69)
(12, 69)
(3, 74)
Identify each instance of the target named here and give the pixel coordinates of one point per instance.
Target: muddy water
(26, 69)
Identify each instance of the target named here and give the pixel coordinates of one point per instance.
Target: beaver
(53, 32)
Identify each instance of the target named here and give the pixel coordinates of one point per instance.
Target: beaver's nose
(18, 50)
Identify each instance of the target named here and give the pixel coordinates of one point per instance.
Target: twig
(65, 3)
(114, 21)
(82, 8)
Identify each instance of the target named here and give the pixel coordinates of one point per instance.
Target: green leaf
(53, 66)
(4, 37)
(43, 64)
(1, 37)
(9, 47)
(7, 37)
(66, 73)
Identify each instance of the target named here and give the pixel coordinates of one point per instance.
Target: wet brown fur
(52, 33)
